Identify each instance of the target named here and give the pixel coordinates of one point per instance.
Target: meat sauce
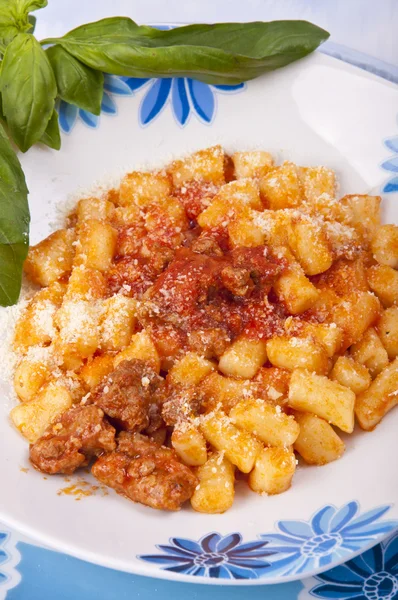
(228, 292)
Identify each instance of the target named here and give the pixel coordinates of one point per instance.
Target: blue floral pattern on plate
(3, 556)
(9, 558)
(332, 534)
(214, 555)
(298, 548)
(391, 165)
(371, 576)
(186, 96)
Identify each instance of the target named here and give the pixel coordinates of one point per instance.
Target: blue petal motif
(341, 574)
(366, 519)
(392, 144)
(187, 569)
(391, 555)
(321, 520)
(242, 572)
(220, 572)
(116, 85)
(391, 165)
(296, 529)
(248, 563)
(291, 543)
(89, 119)
(209, 542)
(391, 186)
(108, 105)
(175, 551)
(229, 542)
(67, 116)
(255, 549)
(164, 559)
(187, 545)
(4, 558)
(338, 593)
(155, 100)
(179, 98)
(325, 560)
(135, 83)
(374, 558)
(343, 516)
(229, 88)
(202, 99)
(368, 532)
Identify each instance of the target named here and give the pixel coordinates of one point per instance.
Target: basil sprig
(72, 69)
(225, 53)
(14, 222)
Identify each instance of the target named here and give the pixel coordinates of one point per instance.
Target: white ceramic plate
(317, 111)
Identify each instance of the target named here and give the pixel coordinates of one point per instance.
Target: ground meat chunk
(130, 273)
(181, 404)
(145, 472)
(78, 435)
(264, 267)
(209, 342)
(236, 280)
(155, 410)
(159, 256)
(125, 395)
(206, 244)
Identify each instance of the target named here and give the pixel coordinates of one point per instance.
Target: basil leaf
(14, 222)
(8, 25)
(221, 53)
(24, 7)
(28, 87)
(14, 19)
(52, 137)
(76, 83)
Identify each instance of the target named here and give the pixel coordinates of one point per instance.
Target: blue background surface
(47, 575)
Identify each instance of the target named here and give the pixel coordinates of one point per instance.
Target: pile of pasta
(335, 359)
